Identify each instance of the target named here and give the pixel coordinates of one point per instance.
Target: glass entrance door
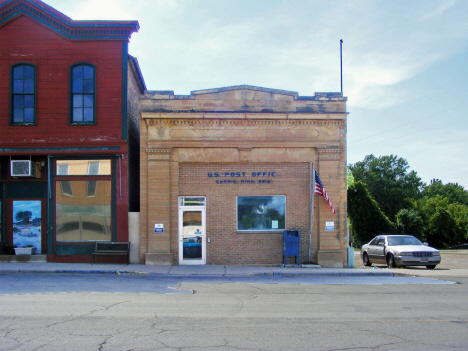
(192, 236)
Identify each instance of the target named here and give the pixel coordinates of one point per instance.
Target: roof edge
(245, 87)
(64, 25)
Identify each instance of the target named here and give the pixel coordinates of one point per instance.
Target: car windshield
(403, 240)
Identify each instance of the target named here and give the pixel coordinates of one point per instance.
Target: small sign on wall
(159, 228)
(329, 226)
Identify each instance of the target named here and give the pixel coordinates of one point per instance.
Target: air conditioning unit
(23, 168)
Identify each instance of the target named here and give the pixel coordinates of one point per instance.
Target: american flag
(319, 189)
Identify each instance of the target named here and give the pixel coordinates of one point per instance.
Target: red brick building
(69, 130)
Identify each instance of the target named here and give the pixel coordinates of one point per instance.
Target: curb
(315, 273)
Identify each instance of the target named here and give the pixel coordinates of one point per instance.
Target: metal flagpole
(341, 64)
(312, 192)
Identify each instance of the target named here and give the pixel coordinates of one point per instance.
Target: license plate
(424, 259)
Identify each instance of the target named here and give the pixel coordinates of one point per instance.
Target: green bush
(367, 220)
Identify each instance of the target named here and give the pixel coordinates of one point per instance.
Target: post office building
(226, 173)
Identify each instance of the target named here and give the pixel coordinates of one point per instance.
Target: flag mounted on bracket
(319, 189)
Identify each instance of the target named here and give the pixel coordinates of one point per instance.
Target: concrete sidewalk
(206, 270)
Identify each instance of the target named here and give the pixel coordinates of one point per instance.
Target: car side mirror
(425, 244)
(381, 244)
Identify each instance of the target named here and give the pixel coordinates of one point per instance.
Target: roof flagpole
(341, 64)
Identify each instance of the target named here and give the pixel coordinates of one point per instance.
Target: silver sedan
(398, 251)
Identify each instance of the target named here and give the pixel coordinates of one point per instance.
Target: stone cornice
(326, 154)
(245, 122)
(158, 153)
(242, 116)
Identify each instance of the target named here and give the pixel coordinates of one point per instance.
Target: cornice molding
(243, 122)
(329, 154)
(73, 30)
(158, 154)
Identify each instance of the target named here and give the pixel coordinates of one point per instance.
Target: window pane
(18, 115)
(77, 115)
(62, 168)
(88, 115)
(261, 213)
(93, 167)
(88, 100)
(77, 86)
(88, 72)
(88, 86)
(77, 100)
(18, 72)
(28, 72)
(81, 167)
(192, 201)
(28, 86)
(29, 115)
(83, 218)
(18, 87)
(78, 72)
(28, 101)
(18, 101)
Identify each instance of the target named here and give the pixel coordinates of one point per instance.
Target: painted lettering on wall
(241, 174)
(260, 177)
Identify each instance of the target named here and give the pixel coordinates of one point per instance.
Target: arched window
(83, 94)
(23, 94)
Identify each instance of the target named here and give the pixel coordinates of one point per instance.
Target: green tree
(440, 227)
(349, 177)
(389, 181)
(446, 223)
(452, 191)
(410, 222)
(367, 220)
(459, 213)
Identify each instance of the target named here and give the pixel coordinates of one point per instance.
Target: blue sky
(405, 66)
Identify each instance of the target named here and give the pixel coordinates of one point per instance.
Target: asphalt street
(265, 313)
(48, 306)
(28, 283)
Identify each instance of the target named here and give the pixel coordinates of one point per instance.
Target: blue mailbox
(291, 245)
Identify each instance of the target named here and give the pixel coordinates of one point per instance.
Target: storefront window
(83, 167)
(261, 213)
(83, 200)
(80, 217)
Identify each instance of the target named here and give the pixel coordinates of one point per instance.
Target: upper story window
(83, 94)
(23, 94)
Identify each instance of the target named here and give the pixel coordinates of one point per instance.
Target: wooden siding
(25, 40)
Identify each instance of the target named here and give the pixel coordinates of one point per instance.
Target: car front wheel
(391, 261)
(430, 267)
(365, 260)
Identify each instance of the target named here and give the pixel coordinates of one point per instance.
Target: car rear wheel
(391, 261)
(365, 260)
(430, 267)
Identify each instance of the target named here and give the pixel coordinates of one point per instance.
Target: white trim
(181, 211)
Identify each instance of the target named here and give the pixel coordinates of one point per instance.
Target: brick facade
(241, 130)
(228, 246)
